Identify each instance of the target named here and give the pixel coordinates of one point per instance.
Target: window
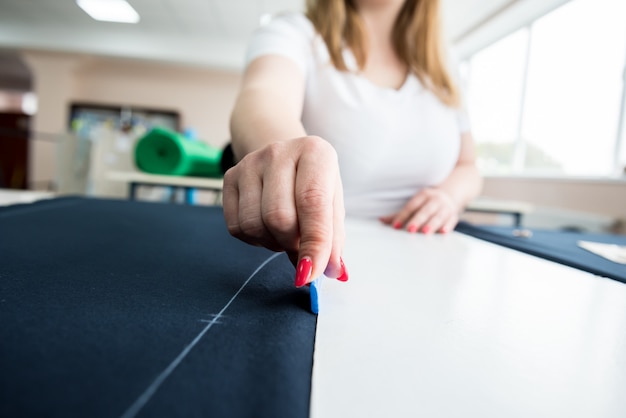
(621, 158)
(495, 88)
(547, 99)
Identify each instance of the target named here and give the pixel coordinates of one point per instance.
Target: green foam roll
(162, 151)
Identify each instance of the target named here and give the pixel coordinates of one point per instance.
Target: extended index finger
(316, 179)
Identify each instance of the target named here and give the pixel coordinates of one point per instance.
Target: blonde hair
(417, 40)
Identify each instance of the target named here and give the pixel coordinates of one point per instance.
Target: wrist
(457, 202)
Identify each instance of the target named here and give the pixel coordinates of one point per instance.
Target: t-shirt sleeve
(287, 35)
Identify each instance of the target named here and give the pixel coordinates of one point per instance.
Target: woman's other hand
(430, 210)
(437, 209)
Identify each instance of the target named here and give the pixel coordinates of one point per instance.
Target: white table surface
(451, 326)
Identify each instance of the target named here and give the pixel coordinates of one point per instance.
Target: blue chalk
(314, 291)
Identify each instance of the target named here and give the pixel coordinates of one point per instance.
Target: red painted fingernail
(412, 228)
(303, 271)
(444, 230)
(397, 225)
(344, 273)
(425, 229)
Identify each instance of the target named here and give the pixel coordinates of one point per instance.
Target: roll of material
(162, 151)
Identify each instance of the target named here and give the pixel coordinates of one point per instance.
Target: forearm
(269, 106)
(463, 184)
(257, 121)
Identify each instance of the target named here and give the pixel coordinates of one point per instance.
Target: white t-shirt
(390, 143)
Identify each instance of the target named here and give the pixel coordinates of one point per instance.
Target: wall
(54, 83)
(203, 97)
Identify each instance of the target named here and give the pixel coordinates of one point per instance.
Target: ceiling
(211, 33)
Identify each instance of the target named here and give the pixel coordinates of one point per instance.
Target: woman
(357, 87)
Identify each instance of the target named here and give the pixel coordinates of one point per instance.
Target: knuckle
(430, 208)
(436, 220)
(317, 240)
(272, 152)
(415, 203)
(419, 218)
(313, 198)
(275, 153)
(280, 220)
(234, 230)
(317, 146)
(252, 227)
(230, 178)
(231, 220)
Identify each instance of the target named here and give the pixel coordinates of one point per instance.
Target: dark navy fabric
(99, 297)
(554, 245)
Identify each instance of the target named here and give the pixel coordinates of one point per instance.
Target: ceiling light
(109, 10)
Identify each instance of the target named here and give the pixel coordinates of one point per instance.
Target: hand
(430, 210)
(288, 197)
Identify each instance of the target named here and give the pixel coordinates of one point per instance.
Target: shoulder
(286, 34)
(292, 22)
(295, 19)
(288, 26)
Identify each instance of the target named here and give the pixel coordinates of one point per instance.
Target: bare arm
(464, 182)
(285, 192)
(269, 105)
